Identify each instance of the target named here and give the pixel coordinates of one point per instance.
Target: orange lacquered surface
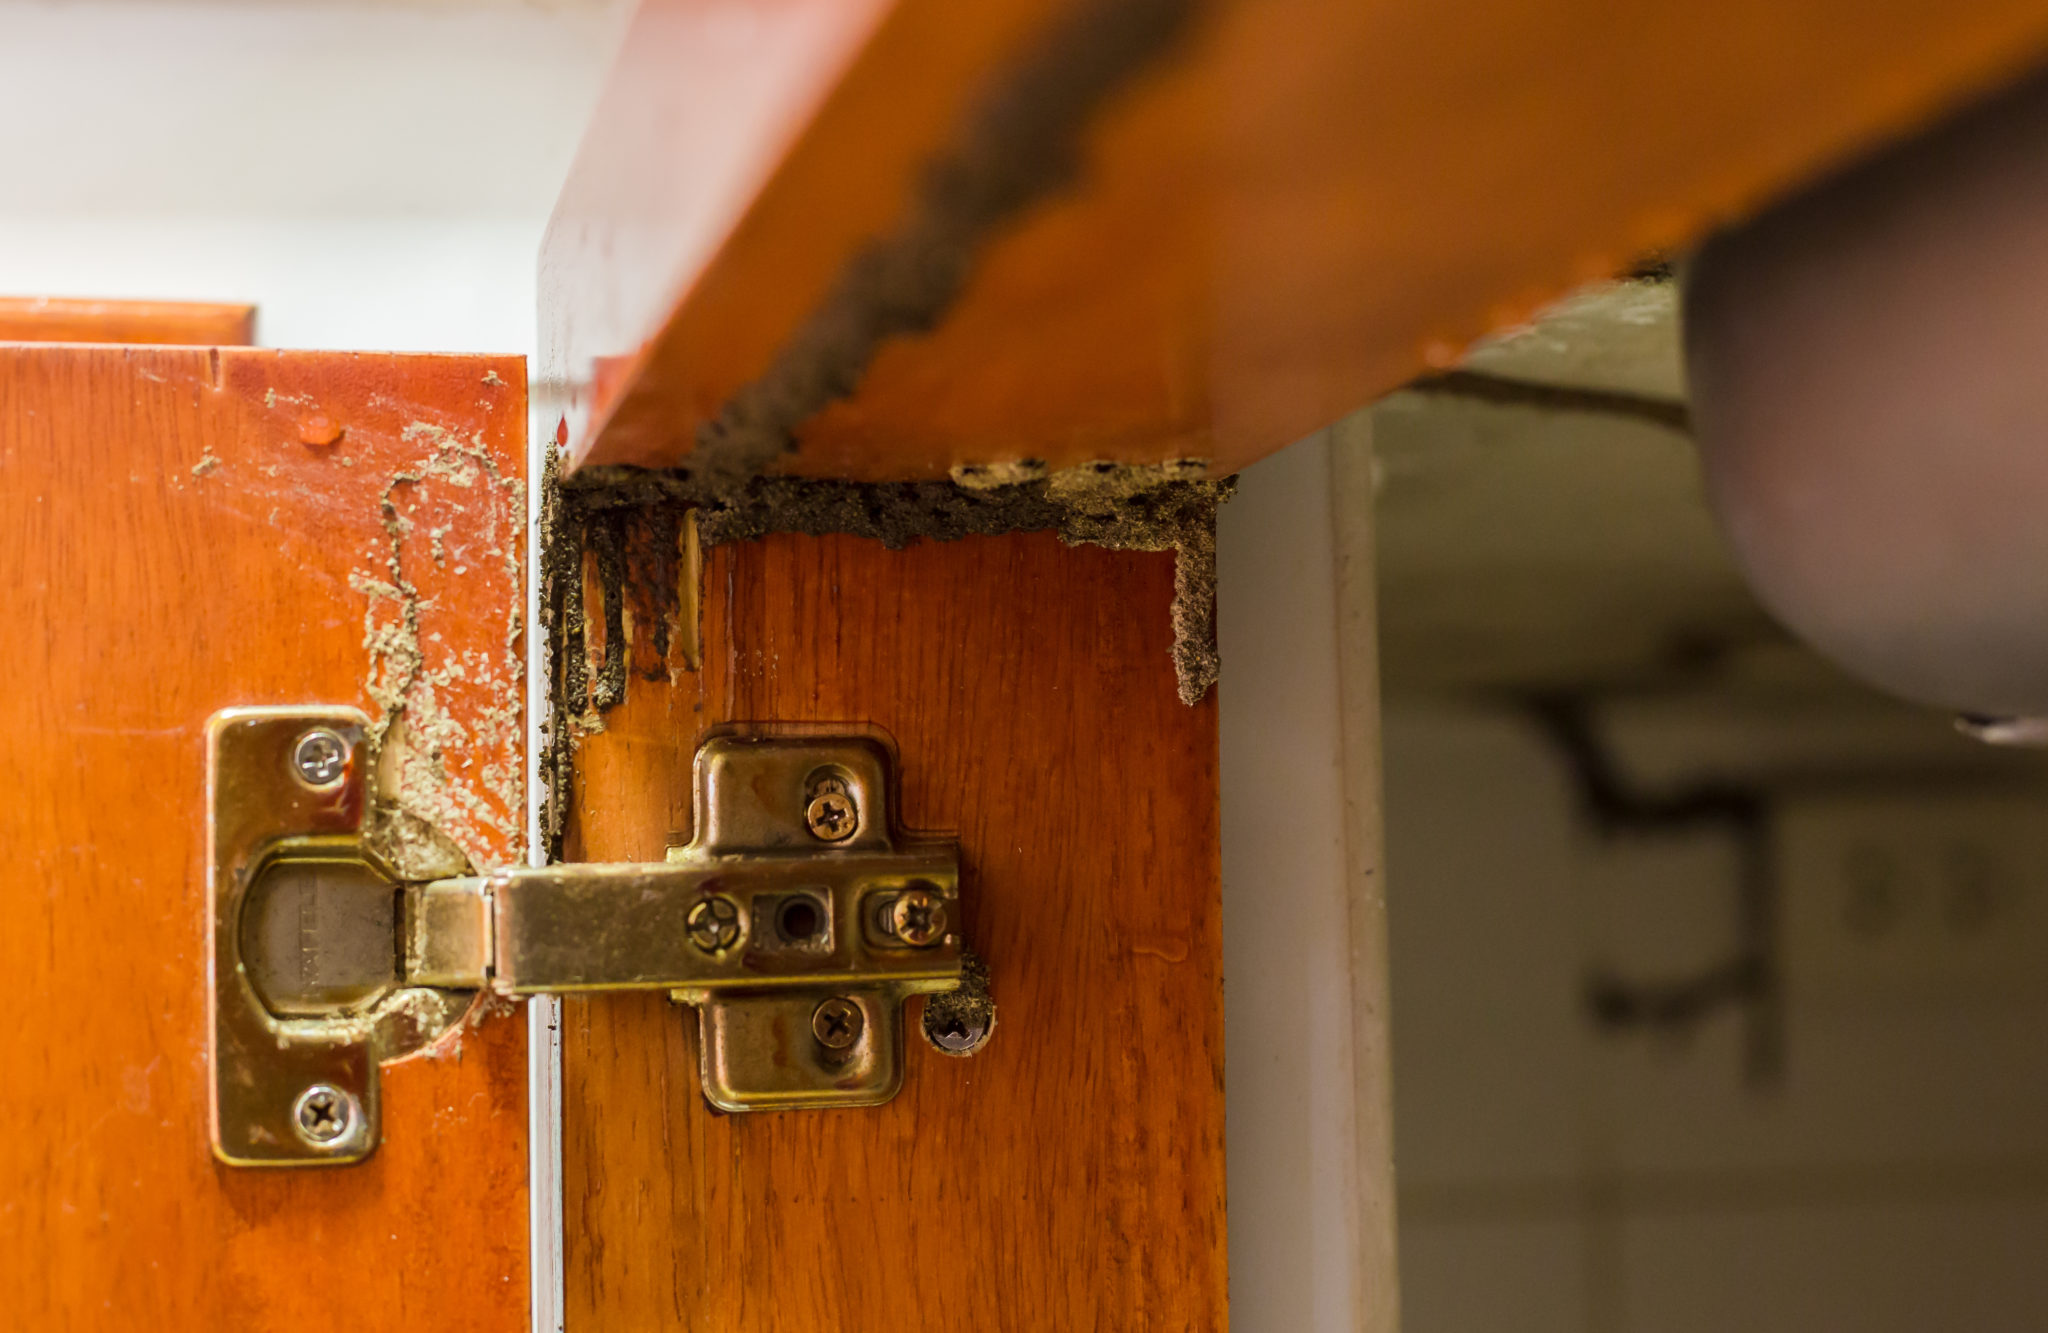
(1296, 208)
(49, 319)
(173, 545)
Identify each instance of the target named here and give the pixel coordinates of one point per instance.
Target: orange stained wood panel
(1180, 228)
(183, 530)
(1070, 1175)
(50, 319)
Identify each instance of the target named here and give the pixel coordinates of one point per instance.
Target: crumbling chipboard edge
(1169, 506)
(564, 689)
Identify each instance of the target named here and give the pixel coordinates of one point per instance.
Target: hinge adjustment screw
(713, 924)
(918, 916)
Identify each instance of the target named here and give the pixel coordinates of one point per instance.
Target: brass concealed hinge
(796, 921)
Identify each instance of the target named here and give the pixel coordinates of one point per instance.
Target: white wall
(372, 176)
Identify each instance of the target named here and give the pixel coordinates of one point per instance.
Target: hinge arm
(795, 920)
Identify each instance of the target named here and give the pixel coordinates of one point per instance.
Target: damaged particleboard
(621, 549)
(159, 595)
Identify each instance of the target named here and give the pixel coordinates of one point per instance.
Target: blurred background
(1719, 981)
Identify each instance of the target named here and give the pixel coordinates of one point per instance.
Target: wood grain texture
(1292, 207)
(1071, 1174)
(172, 546)
(50, 319)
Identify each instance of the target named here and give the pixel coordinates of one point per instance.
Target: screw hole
(798, 920)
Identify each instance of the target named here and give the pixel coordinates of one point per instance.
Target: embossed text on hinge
(797, 922)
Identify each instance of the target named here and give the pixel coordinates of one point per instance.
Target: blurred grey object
(1868, 364)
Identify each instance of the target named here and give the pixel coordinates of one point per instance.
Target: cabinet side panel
(1070, 1175)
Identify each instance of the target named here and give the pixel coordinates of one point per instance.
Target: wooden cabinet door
(184, 530)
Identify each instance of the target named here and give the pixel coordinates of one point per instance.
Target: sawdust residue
(969, 1007)
(458, 771)
(1009, 472)
(411, 846)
